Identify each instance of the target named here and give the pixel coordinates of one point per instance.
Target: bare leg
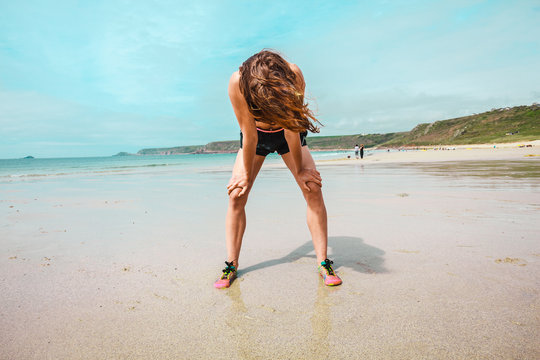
(316, 210)
(235, 223)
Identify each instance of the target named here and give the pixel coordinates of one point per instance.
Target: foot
(226, 279)
(327, 273)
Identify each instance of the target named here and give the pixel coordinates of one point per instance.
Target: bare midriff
(264, 126)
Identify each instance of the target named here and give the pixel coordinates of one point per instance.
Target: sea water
(35, 169)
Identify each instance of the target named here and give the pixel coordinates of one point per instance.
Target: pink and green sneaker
(327, 273)
(226, 279)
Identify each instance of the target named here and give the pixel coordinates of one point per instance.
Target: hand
(239, 181)
(309, 175)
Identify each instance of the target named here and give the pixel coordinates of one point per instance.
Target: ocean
(35, 169)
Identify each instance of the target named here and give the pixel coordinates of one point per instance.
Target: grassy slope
(229, 146)
(172, 150)
(487, 127)
(348, 141)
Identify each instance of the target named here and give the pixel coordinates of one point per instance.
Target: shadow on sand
(346, 251)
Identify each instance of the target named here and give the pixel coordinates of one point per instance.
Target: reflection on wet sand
(245, 329)
(321, 323)
(239, 323)
(490, 169)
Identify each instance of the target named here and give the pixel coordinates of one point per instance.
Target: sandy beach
(438, 250)
(505, 151)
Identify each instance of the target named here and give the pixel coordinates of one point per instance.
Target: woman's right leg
(235, 223)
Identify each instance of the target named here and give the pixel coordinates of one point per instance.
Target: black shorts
(270, 141)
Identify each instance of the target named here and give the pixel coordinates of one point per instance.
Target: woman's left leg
(316, 210)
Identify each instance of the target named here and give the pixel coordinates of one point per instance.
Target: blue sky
(92, 78)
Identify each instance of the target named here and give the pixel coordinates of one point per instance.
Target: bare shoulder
(234, 83)
(237, 99)
(298, 73)
(295, 68)
(235, 77)
(240, 107)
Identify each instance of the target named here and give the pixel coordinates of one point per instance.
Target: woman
(267, 95)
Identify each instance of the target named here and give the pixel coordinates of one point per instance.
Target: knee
(314, 193)
(235, 202)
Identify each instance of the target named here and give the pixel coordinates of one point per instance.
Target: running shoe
(226, 279)
(327, 273)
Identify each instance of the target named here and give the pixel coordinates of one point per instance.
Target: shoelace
(230, 267)
(327, 264)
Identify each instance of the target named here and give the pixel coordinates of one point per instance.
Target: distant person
(362, 151)
(267, 96)
(356, 150)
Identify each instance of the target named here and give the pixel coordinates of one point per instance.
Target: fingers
(238, 191)
(317, 182)
(308, 188)
(241, 193)
(314, 173)
(315, 177)
(311, 179)
(238, 185)
(231, 186)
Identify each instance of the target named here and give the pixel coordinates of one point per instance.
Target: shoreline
(532, 143)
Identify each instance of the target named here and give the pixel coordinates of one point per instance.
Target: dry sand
(505, 151)
(440, 260)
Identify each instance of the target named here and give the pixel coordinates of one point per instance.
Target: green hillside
(171, 150)
(520, 123)
(222, 146)
(213, 147)
(348, 141)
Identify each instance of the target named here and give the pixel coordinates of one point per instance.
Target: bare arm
(249, 133)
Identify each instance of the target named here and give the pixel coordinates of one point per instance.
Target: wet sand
(440, 260)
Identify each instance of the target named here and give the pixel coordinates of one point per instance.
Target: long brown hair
(274, 93)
